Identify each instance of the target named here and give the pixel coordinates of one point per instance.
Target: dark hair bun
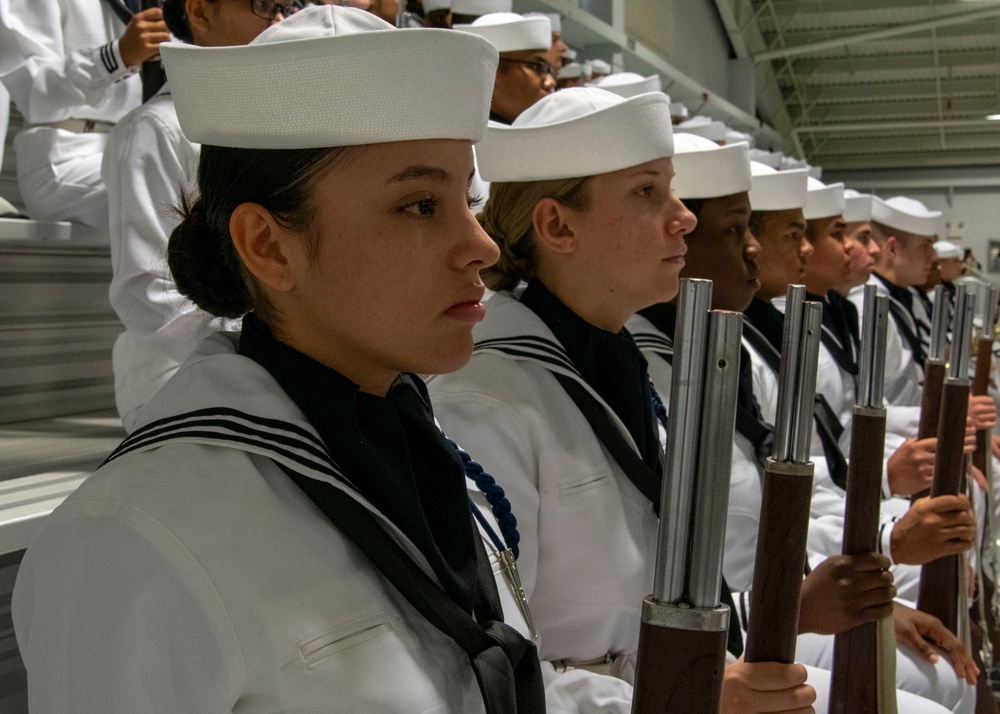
(205, 265)
(175, 17)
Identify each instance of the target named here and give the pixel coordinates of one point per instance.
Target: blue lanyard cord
(486, 526)
(661, 411)
(498, 503)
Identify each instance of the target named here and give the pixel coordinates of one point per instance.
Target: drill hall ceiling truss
(865, 84)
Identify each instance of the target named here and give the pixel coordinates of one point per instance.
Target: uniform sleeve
(45, 81)
(113, 614)
(146, 164)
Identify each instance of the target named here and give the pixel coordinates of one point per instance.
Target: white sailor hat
(679, 109)
(510, 32)
(554, 19)
(333, 76)
(945, 250)
(703, 169)
(570, 53)
(600, 66)
(630, 84)
(734, 137)
(857, 206)
(705, 127)
(544, 141)
(823, 200)
(908, 215)
(771, 159)
(573, 70)
(775, 190)
(479, 7)
(790, 162)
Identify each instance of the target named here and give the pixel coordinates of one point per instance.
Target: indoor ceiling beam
(957, 18)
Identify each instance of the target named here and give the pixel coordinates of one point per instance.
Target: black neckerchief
(768, 320)
(390, 450)
(836, 335)
(901, 308)
(610, 363)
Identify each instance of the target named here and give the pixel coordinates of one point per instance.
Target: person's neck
(579, 296)
(890, 273)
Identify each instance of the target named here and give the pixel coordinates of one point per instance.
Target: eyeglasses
(540, 67)
(269, 9)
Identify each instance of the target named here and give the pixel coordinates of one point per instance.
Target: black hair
(205, 264)
(175, 17)
(694, 205)
(458, 18)
(758, 221)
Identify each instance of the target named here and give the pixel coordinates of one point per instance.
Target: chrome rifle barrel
(784, 418)
(715, 453)
(686, 390)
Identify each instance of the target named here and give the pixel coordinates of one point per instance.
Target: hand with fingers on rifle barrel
(933, 528)
(142, 37)
(766, 687)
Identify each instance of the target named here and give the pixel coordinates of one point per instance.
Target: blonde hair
(507, 218)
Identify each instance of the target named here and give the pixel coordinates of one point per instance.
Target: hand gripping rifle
(864, 658)
(942, 588)
(682, 638)
(788, 480)
(153, 76)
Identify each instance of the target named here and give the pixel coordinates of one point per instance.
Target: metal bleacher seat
(57, 418)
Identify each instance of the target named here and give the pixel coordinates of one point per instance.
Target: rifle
(153, 76)
(682, 637)
(934, 367)
(866, 649)
(942, 580)
(788, 477)
(981, 377)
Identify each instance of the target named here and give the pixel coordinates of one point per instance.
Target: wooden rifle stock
(940, 580)
(930, 404)
(787, 494)
(684, 628)
(854, 688)
(858, 685)
(779, 562)
(980, 386)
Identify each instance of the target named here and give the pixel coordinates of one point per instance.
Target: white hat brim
(892, 217)
(334, 90)
(721, 171)
(525, 33)
(824, 202)
(779, 191)
(584, 146)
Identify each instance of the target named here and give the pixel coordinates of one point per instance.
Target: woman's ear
(198, 17)
(553, 224)
(267, 249)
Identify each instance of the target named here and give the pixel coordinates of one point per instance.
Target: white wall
(701, 47)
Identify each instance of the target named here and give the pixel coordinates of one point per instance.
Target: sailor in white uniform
(70, 67)
(287, 529)
(525, 74)
(148, 166)
(841, 591)
(905, 231)
(556, 400)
